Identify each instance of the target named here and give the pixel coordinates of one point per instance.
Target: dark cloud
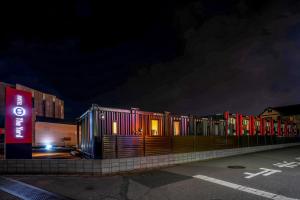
(183, 56)
(229, 63)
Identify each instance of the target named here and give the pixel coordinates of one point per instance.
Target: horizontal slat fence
(183, 144)
(157, 145)
(136, 146)
(109, 147)
(130, 146)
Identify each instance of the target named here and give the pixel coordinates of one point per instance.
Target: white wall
(53, 133)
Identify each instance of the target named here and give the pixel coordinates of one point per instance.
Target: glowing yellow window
(176, 128)
(154, 127)
(115, 128)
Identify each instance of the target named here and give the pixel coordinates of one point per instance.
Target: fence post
(116, 146)
(102, 147)
(194, 143)
(144, 145)
(271, 139)
(172, 145)
(248, 140)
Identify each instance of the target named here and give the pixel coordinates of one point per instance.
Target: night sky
(190, 57)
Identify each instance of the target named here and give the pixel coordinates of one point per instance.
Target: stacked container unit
(98, 123)
(147, 123)
(199, 126)
(180, 125)
(217, 125)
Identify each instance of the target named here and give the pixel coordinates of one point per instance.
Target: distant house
(290, 113)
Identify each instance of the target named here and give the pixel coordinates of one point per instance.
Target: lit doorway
(154, 127)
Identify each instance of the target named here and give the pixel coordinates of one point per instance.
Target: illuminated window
(115, 128)
(232, 121)
(176, 128)
(154, 127)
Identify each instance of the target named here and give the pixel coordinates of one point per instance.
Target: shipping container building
(110, 132)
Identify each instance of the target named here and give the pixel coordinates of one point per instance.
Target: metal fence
(136, 146)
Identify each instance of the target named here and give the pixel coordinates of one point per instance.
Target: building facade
(49, 126)
(44, 105)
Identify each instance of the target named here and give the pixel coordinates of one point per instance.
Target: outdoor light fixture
(48, 147)
(102, 116)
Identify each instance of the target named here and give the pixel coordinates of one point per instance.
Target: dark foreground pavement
(265, 175)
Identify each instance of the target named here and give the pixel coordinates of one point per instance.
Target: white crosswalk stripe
(250, 190)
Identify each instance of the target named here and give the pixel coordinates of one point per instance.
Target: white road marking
(250, 190)
(287, 164)
(17, 188)
(264, 172)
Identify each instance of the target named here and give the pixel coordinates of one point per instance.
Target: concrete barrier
(110, 166)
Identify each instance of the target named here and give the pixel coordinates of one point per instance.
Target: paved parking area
(265, 175)
(7, 196)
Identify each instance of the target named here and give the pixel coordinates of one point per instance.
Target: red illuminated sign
(237, 125)
(279, 127)
(18, 116)
(241, 124)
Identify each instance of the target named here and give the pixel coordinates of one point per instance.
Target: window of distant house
(232, 121)
(176, 128)
(268, 126)
(246, 124)
(115, 128)
(154, 127)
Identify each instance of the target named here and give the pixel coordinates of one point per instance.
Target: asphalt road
(262, 175)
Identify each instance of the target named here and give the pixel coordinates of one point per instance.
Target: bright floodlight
(48, 147)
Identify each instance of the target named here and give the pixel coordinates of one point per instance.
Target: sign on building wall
(18, 123)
